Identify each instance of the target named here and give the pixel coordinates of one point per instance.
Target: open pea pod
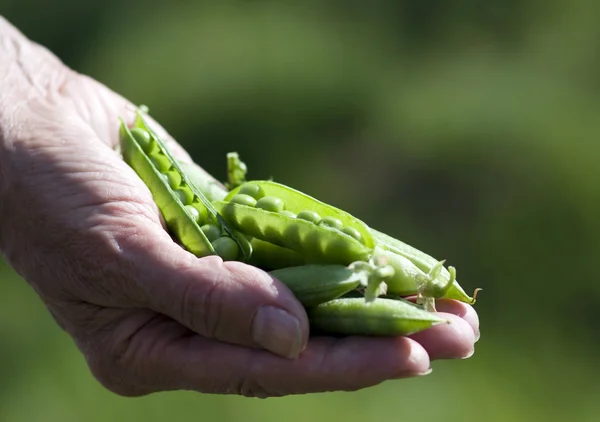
(184, 207)
(329, 236)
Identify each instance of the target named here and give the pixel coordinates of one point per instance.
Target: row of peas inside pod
(351, 278)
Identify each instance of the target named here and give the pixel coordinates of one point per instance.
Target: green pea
(351, 231)
(185, 195)
(174, 178)
(252, 190)
(161, 162)
(202, 212)
(287, 214)
(143, 139)
(243, 199)
(309, 216)
(193, 212)
(332, 222)
(226, 248)
(270, 203)
(211, 231)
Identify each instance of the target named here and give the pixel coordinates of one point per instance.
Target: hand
(79, 225)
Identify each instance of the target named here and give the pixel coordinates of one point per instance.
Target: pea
(226, 248)
(193, 212)
(381, 317)
(174, 178)
(202, 212)
(270, 203)
(143, 139)
(351, 231)
(332, 222)
(287, 214)
(243, 199)
(185, 195)
(252, 190)
(160, 161)
(211, 231)
(309, 216)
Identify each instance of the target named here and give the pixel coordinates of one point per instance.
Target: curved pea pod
(317, 243)
(316, 284)
(382, 317)
(269, 257)
(408, 260)
(182, 205)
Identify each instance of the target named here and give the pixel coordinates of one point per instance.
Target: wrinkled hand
(80, 226)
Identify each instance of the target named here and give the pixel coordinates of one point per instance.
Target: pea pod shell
(297, 201)
(317, 244)
(382, 317)
(177, 218)
(316, 284)
(199, 197)
(422, 261)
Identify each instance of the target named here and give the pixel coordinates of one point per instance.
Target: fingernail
(422, 374)
(277, 331)
(471, 353)
(477, 335)
(413, 374)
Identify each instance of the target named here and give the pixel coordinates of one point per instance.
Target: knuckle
(201, 307)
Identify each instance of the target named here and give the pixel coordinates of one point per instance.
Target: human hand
(79, 225)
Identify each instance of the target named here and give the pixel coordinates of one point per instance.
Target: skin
(80, 227)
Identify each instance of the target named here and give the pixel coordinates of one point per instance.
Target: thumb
(227, 301)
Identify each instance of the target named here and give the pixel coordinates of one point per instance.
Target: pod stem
(428, 290)
(372, 275)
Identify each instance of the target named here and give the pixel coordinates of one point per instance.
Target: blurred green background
(467, 128)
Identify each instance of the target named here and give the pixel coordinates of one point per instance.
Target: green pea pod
(408, 260)
(183, 206)
(317, 243)
(316, 284)
(269, 257)
(382, 317)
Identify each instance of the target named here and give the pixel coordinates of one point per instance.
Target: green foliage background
(466, 128)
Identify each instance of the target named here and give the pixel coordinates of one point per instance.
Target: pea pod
(382, 317)
(410, 263)
(317, 243)
(316, 284)
(269, 257)
(184, 207)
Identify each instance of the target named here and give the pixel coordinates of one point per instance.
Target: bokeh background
(469, 129)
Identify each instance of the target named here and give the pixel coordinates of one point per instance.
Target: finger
(161, 357)
(226, 301)
(448, 341)
(460, 309)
